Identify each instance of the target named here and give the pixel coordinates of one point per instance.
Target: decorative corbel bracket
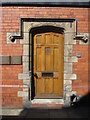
(12, 39)
(83, 38)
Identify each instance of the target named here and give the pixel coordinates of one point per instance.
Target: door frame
(69, 32)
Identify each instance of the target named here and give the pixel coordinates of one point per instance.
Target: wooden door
(48, 65)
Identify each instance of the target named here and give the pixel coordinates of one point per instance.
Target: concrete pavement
(78, 110)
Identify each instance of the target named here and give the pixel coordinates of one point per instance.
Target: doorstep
(48, 105)
(47, 101)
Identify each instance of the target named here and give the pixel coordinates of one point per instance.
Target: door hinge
(30, 73)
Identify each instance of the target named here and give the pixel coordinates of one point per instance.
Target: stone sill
(47, 101)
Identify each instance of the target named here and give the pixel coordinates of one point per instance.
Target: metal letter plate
(47, 74)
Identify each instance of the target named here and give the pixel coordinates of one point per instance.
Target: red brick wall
(81, 69)
(10, 23)
(9, 93)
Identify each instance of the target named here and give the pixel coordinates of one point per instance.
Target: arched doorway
(47, 62)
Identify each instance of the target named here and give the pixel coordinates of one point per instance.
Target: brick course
(10, 23)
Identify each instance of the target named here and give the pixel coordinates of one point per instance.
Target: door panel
(40, 86)
(38, 58)
(48, 64)
(56, 39)
(55, 60)
(49, 85)
(48, 59)
(48, 39)
(56, 85)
